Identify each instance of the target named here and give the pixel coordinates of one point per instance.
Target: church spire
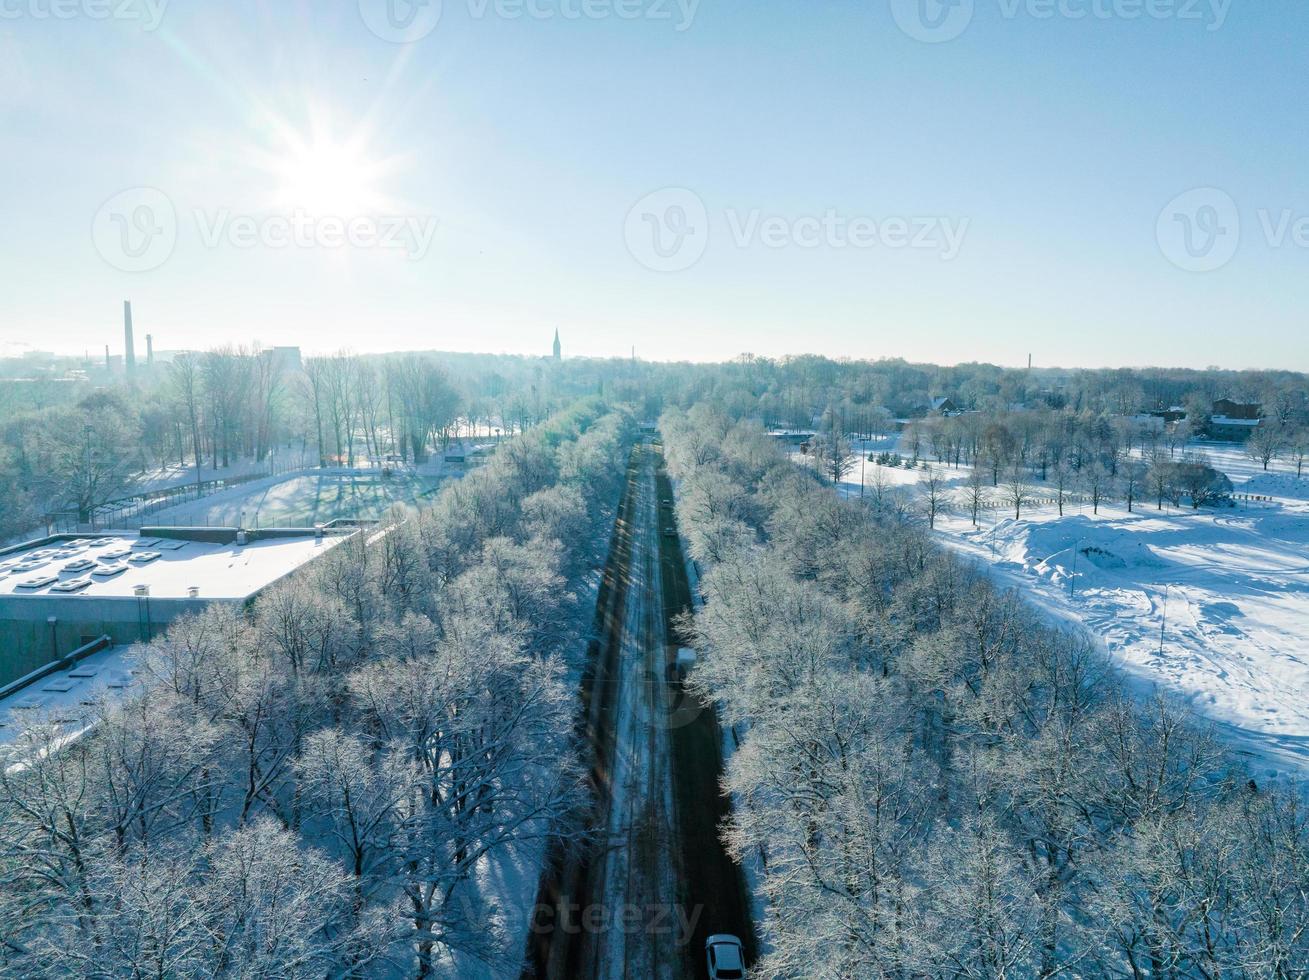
(558, 349)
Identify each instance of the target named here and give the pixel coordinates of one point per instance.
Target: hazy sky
(859, 178)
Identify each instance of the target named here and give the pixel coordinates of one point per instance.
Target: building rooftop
(71, 698)
(171, 568)
(103, 604)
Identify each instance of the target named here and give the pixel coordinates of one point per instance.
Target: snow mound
(1080, 545)
(1277, 485)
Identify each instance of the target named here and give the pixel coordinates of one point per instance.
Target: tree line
(933, 782)
(84, 446)
(324, 784)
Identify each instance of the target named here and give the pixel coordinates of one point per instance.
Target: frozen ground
(1211, 605)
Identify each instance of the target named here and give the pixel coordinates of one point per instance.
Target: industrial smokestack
(106, 357)
(149, 350)
(129, 348)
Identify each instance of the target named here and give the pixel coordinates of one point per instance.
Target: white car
(725, 956)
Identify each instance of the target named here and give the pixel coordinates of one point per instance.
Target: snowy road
(657, 881)
(637, 871)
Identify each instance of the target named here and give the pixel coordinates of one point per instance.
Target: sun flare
(324, 178)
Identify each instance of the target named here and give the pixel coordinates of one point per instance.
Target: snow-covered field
(1211, 605)
(300, 501)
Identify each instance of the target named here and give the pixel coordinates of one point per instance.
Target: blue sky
(827, 181)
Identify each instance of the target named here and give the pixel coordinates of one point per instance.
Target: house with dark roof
(1234, 421)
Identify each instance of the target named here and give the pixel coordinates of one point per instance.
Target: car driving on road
(725, 957)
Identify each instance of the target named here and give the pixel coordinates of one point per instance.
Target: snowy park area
(302, 501)
(1211, 605)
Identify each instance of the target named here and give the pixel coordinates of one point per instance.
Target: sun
(325, 177)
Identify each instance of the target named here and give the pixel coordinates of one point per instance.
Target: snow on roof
(1227, 420)
(218, 571)
(69, 698)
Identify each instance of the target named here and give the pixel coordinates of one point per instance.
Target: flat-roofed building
(61, 593)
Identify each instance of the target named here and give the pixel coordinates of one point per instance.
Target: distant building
(1170, 415)
(1247, 411)
(60, 593)
(558, 348)
(943, 406)
(287, 360)
(1234, 421)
